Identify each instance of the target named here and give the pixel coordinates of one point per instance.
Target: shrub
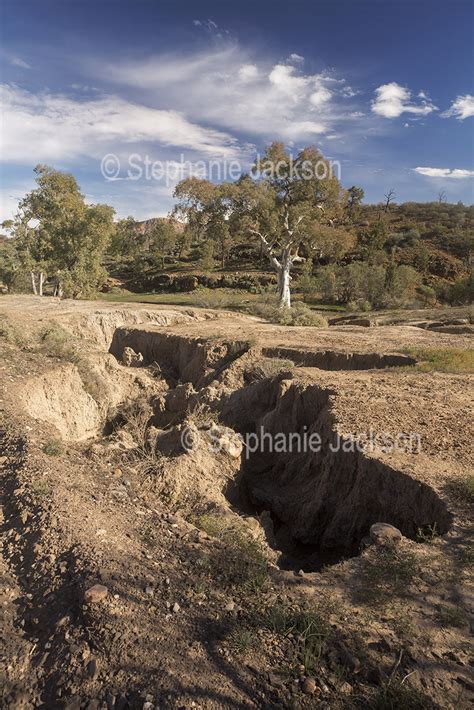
(56, 342)
(216, 298)
(463, 489)
(298, 315)
(241, 561)
(441, 359)
(53, 447)
(427, 295)
(10, 333)
(267, 368)
(461, 291)
(387, 571)
(394, 695)
(310, 627)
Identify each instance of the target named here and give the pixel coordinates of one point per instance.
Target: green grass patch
(387, 572)
(441, 359)
(396, 695)
(56, 342)
(240, 561)
(53, 447)
(309, 626)
(462, 490)
(451, 616)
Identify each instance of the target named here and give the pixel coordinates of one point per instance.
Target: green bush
(53, 447)
(56, 342)
(298, 315)
(268, 367)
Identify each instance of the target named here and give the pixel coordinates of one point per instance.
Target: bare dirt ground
(233, 577)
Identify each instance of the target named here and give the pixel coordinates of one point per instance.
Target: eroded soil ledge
(190, 617)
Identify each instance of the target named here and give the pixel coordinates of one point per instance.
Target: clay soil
(233, 580)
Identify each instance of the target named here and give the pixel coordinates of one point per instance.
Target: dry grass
(441, 359)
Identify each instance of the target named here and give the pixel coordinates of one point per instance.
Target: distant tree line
(314, 235)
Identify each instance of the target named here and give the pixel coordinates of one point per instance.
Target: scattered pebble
(96, 593)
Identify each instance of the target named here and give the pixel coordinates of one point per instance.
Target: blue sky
(383, 87)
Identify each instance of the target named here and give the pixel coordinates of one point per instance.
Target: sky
(132, 95)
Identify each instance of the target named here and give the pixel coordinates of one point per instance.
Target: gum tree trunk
(284, 297)
(33, 283)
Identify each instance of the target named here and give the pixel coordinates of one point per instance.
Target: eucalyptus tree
(58, 235)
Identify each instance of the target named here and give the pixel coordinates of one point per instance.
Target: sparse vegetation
(241, 561)
(396, 695)
(441, 359)
(53, 447)
(451, 616)
(55, 341)
(309, 625)
(267, 367)
(299, 314)
(242, 640)
(387, 571)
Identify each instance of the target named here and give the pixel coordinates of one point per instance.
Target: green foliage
(242, 640)
(372, 240)
(441, 359)
(57, 235)
(56, 342)
(395, 695)
(309, 625)
(298, 315)
(463, 489)
(9, 262)
(461, 291)
(241, 560)
(387, 571)
(268, 367)
(164, 240)
(355, 196)
(53, 447)
(362, 282)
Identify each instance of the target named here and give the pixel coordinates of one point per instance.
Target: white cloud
(461, 108)
(18, 62)
(48, 127)
(456, 174)
(247, 72)
(296, 58)
(320, 96)
(238, 92)
(392, 100)
(11, 196)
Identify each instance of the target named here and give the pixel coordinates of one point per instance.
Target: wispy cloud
(461, 108)
(391, 100)
(456, 174)
(19, 62)
(48, 127)
(234, 90)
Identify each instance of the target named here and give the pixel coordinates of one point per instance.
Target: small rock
(149, 590)
(175, 607)
(96, 593)
(308, 686)
(148, 705)
(385, 534)
(345, 688)
(130, 358)
(92, 670)
(230, 606)
(63, 621)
